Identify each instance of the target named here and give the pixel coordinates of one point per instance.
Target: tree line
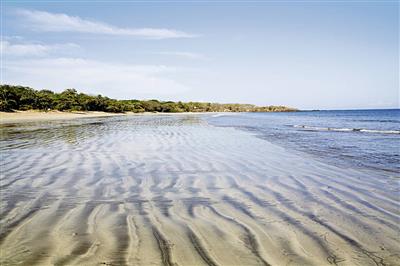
(25, 98)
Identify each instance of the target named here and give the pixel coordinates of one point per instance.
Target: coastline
(33, 116)
(36, 116)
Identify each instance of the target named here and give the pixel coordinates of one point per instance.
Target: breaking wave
(347, 129)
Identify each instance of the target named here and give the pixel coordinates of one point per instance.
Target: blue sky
(305, 54)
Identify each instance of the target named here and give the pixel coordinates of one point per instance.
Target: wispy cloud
(112, 79)
(188, 55)
(34, 49)
(58, 22)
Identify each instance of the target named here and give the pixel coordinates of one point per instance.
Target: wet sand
(173, 190)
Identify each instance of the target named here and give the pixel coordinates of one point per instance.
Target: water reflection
(75, 132)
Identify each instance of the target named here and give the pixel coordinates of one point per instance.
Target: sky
(303, 54)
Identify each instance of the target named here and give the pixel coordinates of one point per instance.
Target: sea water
(355, 138)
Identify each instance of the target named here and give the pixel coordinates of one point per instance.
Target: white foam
(348, 129)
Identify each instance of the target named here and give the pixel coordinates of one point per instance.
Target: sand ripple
(172, 190)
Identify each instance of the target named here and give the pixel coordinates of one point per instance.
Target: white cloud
(34, 49)
(111, 79)
(58, 22)
(187, 55)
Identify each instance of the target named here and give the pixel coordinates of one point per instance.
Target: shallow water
(166, 190)
(349, 138)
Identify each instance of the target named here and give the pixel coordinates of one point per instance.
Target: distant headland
(15, 98)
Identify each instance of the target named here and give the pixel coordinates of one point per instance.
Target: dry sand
(37, 116)
(26, 116)
(172, 190)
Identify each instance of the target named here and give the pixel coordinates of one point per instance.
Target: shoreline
(36, 116)
(33, 116)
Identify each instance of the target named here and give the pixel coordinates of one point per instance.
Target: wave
(224, 114)
(348, 129)
(218, 115)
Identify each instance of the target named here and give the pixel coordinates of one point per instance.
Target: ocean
(348, 138)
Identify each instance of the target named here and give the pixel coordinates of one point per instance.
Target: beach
(176, 190)
(32, 115)
(41, 116)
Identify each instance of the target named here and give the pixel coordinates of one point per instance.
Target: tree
(24, 98)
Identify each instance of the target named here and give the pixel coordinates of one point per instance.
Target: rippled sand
(172, 190)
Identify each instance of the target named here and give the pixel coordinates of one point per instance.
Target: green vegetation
(24, 98)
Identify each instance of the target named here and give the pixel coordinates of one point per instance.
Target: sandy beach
(39, 116)
(174, 190)
(27, 116)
